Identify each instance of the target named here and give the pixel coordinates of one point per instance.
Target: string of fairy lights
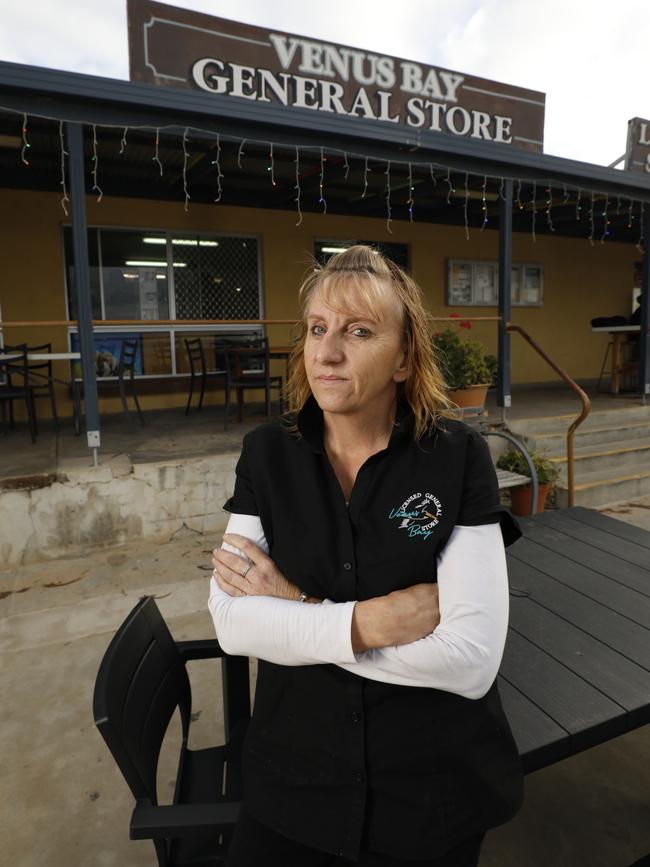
(634, 209)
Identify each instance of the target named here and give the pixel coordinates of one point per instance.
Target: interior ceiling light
(142, 263)
(191, 242)
(340, 249)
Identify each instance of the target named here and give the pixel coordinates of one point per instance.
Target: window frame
(170, 330)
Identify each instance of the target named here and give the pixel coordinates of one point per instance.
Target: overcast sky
(591, 58)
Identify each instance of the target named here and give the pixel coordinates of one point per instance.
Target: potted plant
(469, 371)
(547, 474)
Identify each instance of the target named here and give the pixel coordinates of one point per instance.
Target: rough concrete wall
(91, 507)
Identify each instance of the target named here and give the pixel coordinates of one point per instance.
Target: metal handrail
(529, 461)
(477, 412)
(586, 404)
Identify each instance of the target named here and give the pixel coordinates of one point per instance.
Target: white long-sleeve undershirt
(462, 655)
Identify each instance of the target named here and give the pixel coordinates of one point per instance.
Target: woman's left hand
(261, 578)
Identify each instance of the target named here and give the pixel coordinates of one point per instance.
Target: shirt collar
(310, 423)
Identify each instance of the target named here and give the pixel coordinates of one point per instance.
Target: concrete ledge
(82, 508)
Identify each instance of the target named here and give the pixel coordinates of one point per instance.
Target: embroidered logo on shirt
(419, 514)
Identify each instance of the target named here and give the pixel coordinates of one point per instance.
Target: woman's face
(353, 360)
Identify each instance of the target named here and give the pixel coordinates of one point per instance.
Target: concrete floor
(67, 805)
(171, 434)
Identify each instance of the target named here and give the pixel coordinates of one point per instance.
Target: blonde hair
(356, 278)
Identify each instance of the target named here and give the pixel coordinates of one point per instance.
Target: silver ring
(248, 566)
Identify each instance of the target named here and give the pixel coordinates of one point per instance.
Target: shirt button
(347, 566)
(355, 716)
(358, 777)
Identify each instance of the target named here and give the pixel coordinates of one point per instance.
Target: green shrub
(464, 362)
(513, 460)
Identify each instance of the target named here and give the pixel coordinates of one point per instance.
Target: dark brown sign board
(637, 151)
(190, 50)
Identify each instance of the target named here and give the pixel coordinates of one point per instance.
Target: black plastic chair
(249, 367)
(17, 387)
(141, 681)
(198, 368)
(43, 384)
(126, 367)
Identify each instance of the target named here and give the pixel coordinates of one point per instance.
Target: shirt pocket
(395, 564)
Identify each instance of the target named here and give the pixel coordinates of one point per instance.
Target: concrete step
(606, 487)
(559, 424)
(633, 455)
(555, 443)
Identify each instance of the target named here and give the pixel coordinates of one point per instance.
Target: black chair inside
(198, 369)
(126, 367)
(252, 369)
(142, 680)
(41, 382)
(17, 386)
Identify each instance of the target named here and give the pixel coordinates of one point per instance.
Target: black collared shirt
(331, 759)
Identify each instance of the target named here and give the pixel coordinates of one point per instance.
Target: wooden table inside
(576, 667)
(278, 352)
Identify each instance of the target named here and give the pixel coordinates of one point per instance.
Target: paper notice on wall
(484, 283)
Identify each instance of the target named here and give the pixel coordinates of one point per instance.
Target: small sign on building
(637, 151)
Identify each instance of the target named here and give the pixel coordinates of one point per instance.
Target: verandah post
(82, 284)
(505, 303)
(644, 337)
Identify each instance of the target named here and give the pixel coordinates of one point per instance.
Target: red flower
(465, 324)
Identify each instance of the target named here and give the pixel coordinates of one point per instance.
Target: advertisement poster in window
(107, 353)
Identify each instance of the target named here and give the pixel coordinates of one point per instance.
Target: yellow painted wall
(580, 280)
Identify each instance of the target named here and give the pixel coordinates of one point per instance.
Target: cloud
(89, 37)
(582, 53)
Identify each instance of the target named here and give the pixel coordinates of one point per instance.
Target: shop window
(145, 275)
(71, 284)
(399, 253)
(215, 278)
(476, 282)
(134, 274)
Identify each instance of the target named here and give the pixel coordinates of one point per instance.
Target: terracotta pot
(521, 497)
(471, 395)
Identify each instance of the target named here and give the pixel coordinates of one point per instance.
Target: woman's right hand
(399, 617)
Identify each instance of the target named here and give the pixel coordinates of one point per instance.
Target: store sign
(637, 152)
(178, 48)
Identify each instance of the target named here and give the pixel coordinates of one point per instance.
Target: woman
(364, 565)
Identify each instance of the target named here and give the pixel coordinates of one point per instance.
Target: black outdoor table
(576, 667)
